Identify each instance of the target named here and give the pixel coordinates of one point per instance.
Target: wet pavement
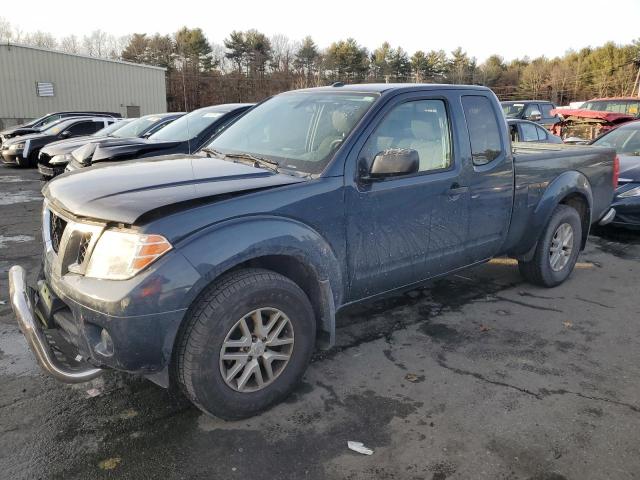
(477, 376)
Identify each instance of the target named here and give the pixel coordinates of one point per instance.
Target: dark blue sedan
(626, 140)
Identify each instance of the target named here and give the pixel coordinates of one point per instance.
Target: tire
(215, 321)
(540, 270)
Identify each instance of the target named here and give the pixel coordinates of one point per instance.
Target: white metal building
(35, 81)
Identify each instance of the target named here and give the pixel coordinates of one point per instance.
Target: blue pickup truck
(220, 272)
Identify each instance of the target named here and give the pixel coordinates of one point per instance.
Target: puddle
(20, 197)
(15, 239)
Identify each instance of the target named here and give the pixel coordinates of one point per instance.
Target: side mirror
(394, 162)
(534, 116)
(65, 134)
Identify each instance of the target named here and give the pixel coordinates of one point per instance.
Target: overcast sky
(509, 28)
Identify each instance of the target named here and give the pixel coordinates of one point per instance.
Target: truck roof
(526, 101)
(387, 87)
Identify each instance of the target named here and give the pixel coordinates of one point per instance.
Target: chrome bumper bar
(608, 217)
(36, 339)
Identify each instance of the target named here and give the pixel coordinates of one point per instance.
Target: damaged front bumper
(22, 303)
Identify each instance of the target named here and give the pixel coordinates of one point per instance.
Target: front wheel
(246, 344)
(557, 250)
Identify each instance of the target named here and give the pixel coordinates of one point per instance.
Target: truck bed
(538, 168)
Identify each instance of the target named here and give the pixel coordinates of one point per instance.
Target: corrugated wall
(80, 83)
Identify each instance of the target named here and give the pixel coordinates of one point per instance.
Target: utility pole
(636, 83)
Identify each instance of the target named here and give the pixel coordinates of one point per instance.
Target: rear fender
(564, 186)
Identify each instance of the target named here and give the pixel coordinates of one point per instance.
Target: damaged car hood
(579, 113)
(124, 192)
(111, 149)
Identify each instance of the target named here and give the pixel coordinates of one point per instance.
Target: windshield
(628, 107)
(512, 110)
(626, 141)
(51, 123)
(56, 127)
(52, 117)
(299, 130)
(110, 129)
(137, 127)
(187, 127)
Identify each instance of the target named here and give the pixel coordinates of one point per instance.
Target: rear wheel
(246, 343)
(557, 250)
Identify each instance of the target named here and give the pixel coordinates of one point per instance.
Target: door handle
(456, 191)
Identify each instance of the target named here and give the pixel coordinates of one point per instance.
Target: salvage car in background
(23, 151)
(185, 135)
(225, 267)
(54, 157)
(594, 118)
(36, 125)
(626, 140)
(526, 131)
(538, 111)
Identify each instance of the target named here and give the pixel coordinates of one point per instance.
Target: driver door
(401, 230)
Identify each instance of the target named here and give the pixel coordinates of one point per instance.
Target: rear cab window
(484, 131)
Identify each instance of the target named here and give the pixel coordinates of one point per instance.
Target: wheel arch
(570, 188)
(279, 244)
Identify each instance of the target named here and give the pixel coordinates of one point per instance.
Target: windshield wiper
(257, 161)
(212, 151)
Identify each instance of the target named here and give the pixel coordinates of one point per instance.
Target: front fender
(225, 245)
(565, 184)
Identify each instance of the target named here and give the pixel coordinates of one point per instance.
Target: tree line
(249, 65)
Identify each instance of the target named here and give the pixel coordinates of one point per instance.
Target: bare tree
(41, 39)
(6, 30)
(95, 44)
(282, 53)
(70, 44)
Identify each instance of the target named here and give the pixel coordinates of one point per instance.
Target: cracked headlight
(60, 159)
(634, 192)
(121, 254)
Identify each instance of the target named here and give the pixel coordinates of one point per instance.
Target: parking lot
(478, 375)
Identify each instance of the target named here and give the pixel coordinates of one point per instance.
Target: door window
(532, 107)
(542, 134)
(85, 128)
(484, 132)
(420, 125)
(529, 132)
(546, 110)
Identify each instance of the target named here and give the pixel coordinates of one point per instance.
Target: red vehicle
(595, 117)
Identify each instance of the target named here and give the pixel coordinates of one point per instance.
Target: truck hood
(123, 193)
(119, 149)
(582, 114)
(630, 168)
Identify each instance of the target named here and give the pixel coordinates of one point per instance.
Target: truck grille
(83, 247)
(56, 230)
(68, 242)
